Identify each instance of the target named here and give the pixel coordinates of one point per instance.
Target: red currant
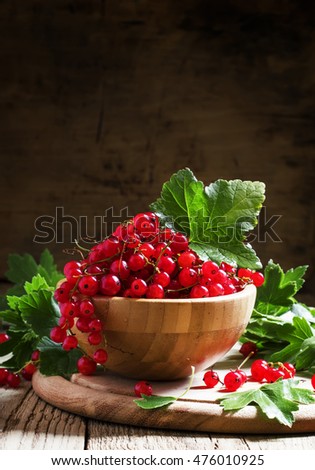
(143, 388)
(4, 338)
(86, 308)
(69, 310)
(259, 370)
(83, 324)
(3, 376)
(63, 292)
(88, 285)
(155, 291)
(95, 325)
(70, 342)
(86, 366)
(248, 348)
(313, 381)
(198, 292)
(100, 356)
(233, 380)
(162, 278)
(110, 285)
(245, 273)
(139, 287)
(209, 268)
(179, 243)
(13, 380)
(211, 378)
(215, 289)
(187, 277)
(28, 371)
(35, 355)
(136, 262)
(57, 334)
(95, 338)
(186, 259)
(70, 266)
(258, 279)
(288, 369)
(274, 374)
(166, 264)
(120, 268)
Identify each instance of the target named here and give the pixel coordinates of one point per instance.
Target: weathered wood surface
(26, 422)
(102, 100)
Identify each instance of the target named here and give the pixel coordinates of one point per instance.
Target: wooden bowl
(160, 339)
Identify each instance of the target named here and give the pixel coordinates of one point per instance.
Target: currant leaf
(40, 311)
(277, 401)
(54, 360)
(153, 401)
(217, 218)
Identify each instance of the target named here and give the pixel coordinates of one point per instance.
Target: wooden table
(27, 422)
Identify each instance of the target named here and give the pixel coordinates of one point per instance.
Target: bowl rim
(246, 292)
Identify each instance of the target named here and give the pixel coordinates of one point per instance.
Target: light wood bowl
(153, 339)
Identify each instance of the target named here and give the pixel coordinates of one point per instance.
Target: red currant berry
(155, 291)
(100, 356)
(4, 338)
(110, 285)
(69, 310)
(274, 374)
(3, 376)
(162, 278)
(186, 259)
(13, 380)
(70, 266)
(245, 273)
(220, 277)
(162, 249)
(63, 292)
(229, 288)
(228, 268)
(95, 338)
(242, 373)
(73, 276)
(57, 334)
(179, 243)
(86, 308)
(233, 380)
(187, 277)
(258, 279)
(143, 388)
(120, 268)
(66, 323)
(111, 247)
(83, 324)
(95, 325)
(313, 381)
(215, 289)
(86, 366)
(259, 370)
(147, 249)
(211, 378)
(35, 355)
(166, 264)
(248, 348)
(209, 268)
(94, 269)
(139, 287)
(70, 342)
(288, 369)
(28, 371)
(88, 285)
(136, 262)
(198, 292)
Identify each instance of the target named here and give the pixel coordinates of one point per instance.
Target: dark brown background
(101, 101)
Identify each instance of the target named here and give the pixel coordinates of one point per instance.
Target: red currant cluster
(261, 371)
(139, 259)
(13, 379)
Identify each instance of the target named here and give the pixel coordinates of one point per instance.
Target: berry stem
(246, 359)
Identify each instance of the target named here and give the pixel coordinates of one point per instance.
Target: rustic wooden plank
(26, 422)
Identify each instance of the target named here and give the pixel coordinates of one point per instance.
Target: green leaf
(153, 401)
(23, 350)
(277, 401)
(295, 275)
(7, 347)
(217, 218)
(306, 356)
(277, 291)
(37, 283)
(295, 335)
(54, 360)
(40, 311)
(14, 319)
(21, 268)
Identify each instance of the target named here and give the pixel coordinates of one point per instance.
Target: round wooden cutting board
(111, 398)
